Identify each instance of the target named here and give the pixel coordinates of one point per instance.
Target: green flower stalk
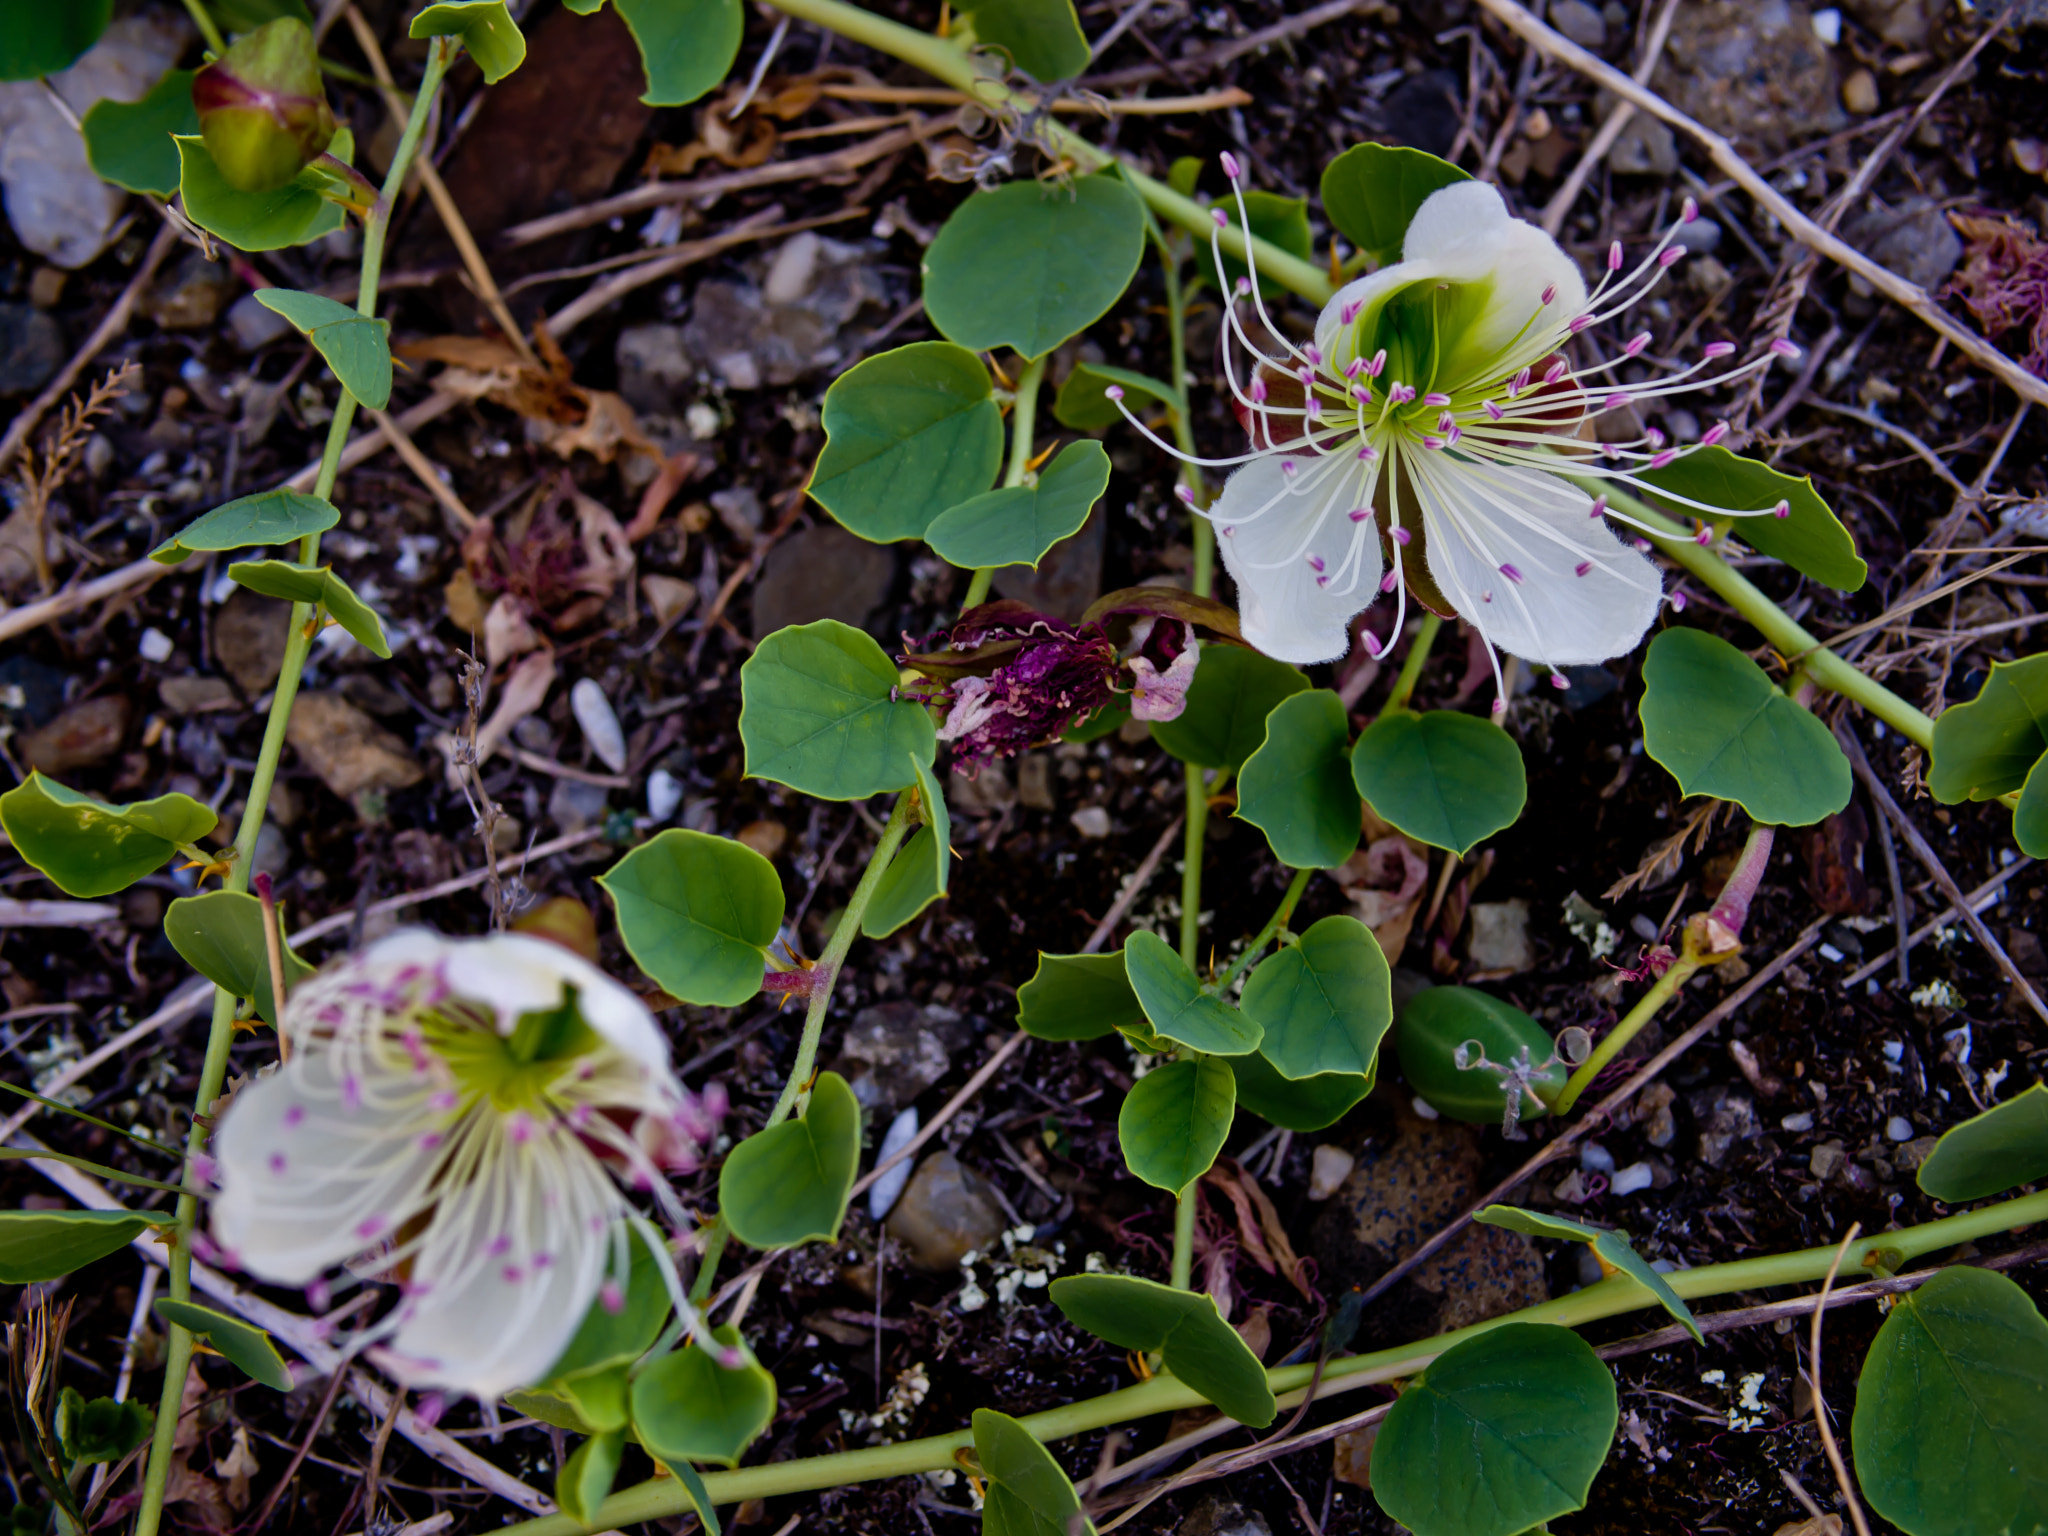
(262, 109)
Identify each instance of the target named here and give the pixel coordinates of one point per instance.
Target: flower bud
(262, 109)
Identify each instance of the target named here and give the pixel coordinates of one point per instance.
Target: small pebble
(1596, 1158)
(1632, 1178)
(1091, 821)
(1899, 1128)
(1328, 1169)
(664, 794)
(1801, 1122)
(1894, 1050)
(1829, 953)
(1827, 26)
(1424, 1108)
(600, 725)
(888, 1189)
(155, 645)
(1859, 93)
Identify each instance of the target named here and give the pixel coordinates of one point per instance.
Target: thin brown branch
(1820, 1403)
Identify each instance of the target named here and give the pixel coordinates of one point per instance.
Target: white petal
(1284, 610)
(1481, 517)
(514, 974)
(1359, 296)
(1467, 233)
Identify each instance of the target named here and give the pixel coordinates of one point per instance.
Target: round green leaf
(1019, 524)
(789, 1183)
(1225, 719)
(1721, 728)
(697, 914)
(1077, 997)
(1446, 779)
(687, 1407)
(1028, 266)
(42, 37)
(250, 522)
(1084, 405)
(46, 1245)
(129, 142)
(1042, 37)
(1949, 1409)
(487, 31)
(908, 434)
(1277, 220)
(1177, 1006)
(919, 873)
(1371, 192)
(1988, 747)
(1307, 1104)
(1175, 1120)
(247, 1348)
(1438, 1020)
(1325, 1003)
(586, 1477)
(257, 221)
(687, 46)
(1198, 1347)
(90, 848)
(599, 1398)
(355, 346)
(321, 588)
(2001, 1149)
(1028, 1493)
(1297, 787)
(818, 712)
(1503, 1432)
(220, 935)
(102, 1430)
(607, 1339)
(1610, 1244)
(1711, 482)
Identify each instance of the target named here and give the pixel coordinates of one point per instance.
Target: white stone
(1328, 1168)
(600, 724)
(1827, 26)
(1596, 1158)
(155, 645)
(888, 1189)
(664, 794)
(1091, 821)
(1632, 1178)
(1899, 1128)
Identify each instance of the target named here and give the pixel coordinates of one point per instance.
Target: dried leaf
(236, 1468)
(525, 690)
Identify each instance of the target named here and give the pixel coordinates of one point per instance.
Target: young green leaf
(789, 1183)
(1028, 1493)
(1437, 1020)
(1446, 779)
(249, 522)
(1042, 37)
(1371, 192)
(1297, 787)
(257, 221)
(1809, 537)
(89, 848)
(487, 31)
(1224, 723)
(1501, 1433)
(1175, 1120)
(919, 873)
(1019, 524)
(321, 588)
(688, 1407)
(100, 1430)
(1308, 1104)
(1176, 1004)
(2001, 1149)
(47, 1245)
(1325, 1003)
(818, 712)
(609, 1338)
(697, 914)
(700, 1496)
(129, 142)
(1722, 728)
(1609, 1244)
(220, 935)
(247, 1348)
(686, 46)
(1995, 744)
(1197, 1346)
(1084, 404)
(1077, 997)
(586, 1477)
(355, 346)
(41, 38)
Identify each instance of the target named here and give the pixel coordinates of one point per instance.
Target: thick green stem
(216, 41)
(1647, 1007)
(1202, 531)
(662, 1498)
(1183, 1274)
(1411, 667)
(1023, 426)
(1191, 868)
(1276, 924)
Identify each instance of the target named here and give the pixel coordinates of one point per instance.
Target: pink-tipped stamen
(1636, 343)
(1512, 573)
(1115, 391)
(1230, 166)
(1713, 434)
(1782, 509)
(1718, 349)
(1402, 536)
(1614, 257)
(1784, 348)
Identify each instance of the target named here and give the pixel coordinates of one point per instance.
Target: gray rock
(255, 326)
(1644, 147)
(739, 508)
(1826, 1160)
(1580, 22)
(654, 368)
(574, 806)
(1752, 69)
(1916, 241)
(1426, 107)
(31, 349)
(1034, 781)
(787, 326)
(1724, 1117)
(190, 295)
(1902, 23)
(1218, 1515)
(893, 1052)
(946, 1213)
(1500, 936)
(249, 635)
(1700, 237)
(822, 572)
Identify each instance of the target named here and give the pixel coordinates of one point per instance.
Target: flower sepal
(262, 108)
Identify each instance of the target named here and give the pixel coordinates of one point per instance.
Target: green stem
(209, 29)
(220, 1034)
(1183, 1275)
(1646, 1009)
(1023, 426)
(661, 1498)
(1204, 533)
(1193, 844)
(1276, 924)
(1411, 667)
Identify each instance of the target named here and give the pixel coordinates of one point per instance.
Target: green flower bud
(262, 109)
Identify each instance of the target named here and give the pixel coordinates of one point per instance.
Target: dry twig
(41, 482)
(1820, 1405)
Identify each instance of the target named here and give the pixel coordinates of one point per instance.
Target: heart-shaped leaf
(46, 1245)
(1077, 997)
(1297, 787)
(1309, 1104)
(487, 31)
(1721, 728)
(89, 848)
(1028, 1493)
(129, 142)
(246, 1347)
(249, 522)
(1175, 1120)
(818, 712)
(908, 435)
(101, 1430)
(1042, 37)
(1083, 402)
(919, 873)
(1371, 192)
(689, 1407)
(1029, 265)
(1610, 1245)
(1704, 481)
(1995, 744)
(1325, 1003)
(1503, 1432)
(1949, 1408)
(1019, 524)
(1438, 1020)
(609, 1338)
(789, 1183)
(43, 39)
(686, 46)
(1177, 1006)
(585, 1480)
(320, 588)
(220, 935)
(1197, 1346)
(355, 346)
(2001, 1149)
(697, 914)
(258, 221)
(1446, 779)
(1224, 721)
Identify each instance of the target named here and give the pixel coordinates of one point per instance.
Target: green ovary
(515, 1073)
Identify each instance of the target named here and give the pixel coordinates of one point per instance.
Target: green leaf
(1436, 1021)
(2001, 1149)
(1083, 405)
(687, 46)
(42, 37)
(600, 1400)
(1371, 192)
(607, 1339)
(1446, 779)
(789, 1183)
(1325, 1003)
(1309, 1104)
(1610, 1244)
(1100, 724)
(220, 935)
(249, 522)
(46, 1245)
(1711, 482)
(129, 142)
(908, 434)
(817, 713)
(1988, 747)
(687, 1407)
(1225, 719)
(100, 1430)
(918, 875)
(89, 848)
(697, 914)
(1297, 787)
(1949, 1408)
(1503, 1432)
(1278, 220)
(586, 1477)
(1198, 1347)
(1028, 1493)
(1176, 1004)
(486, 29)
(1719, 725)
(2030, 816)
(1042, 37)
(355, 346)
(1019, 524)
(700, 1496)
(248, 15)
(1077, 997)
(247, 1348)
(1175, 1120)
(1027, 266)
(258, 221)
(320, 587)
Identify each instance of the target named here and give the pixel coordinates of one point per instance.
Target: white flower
(1438, 406)
(452, 1115)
